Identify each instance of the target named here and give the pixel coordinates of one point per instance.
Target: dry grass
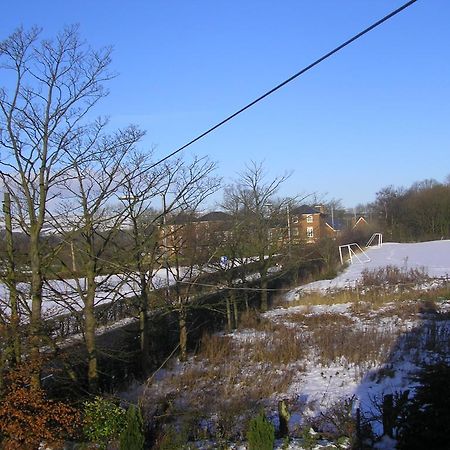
(229, 377)
(216, 348)
(232, 375)
(281, 347)
(319, 320)
(359, 347)
(392, 276)
(327, 298)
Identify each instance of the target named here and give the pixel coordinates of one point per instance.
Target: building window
(309, 232)
(295, 231)
(309, 219)
(295, 219)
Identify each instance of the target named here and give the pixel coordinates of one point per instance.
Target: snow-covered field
(63, 296)
(433, 257)
(351, 354)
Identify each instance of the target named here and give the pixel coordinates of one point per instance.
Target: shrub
(28, 418)
(261, 433)
(132, 437)
(393, 275)
(428, 414)
(103, 421)
(309, 438)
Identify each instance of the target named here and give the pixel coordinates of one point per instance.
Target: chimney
(320, 208)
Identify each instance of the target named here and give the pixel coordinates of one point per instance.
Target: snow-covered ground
(62, 296)
(376, 350)
(433, 257)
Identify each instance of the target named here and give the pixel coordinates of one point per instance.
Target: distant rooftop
(305, 209)
(214, 216)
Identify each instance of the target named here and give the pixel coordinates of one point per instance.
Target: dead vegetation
(233, 375)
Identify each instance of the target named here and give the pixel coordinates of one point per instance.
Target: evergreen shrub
(132, 437)
(261, 433)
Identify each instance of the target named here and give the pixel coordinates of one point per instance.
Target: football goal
(376, 241)
(352, 253)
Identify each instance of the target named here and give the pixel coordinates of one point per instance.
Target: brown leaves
(28, 417)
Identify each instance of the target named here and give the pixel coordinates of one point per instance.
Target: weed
(356, 346)
(393, 275)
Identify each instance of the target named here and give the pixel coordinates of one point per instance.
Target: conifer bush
(261, 433)
(132, 437)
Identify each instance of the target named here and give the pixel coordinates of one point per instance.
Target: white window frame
(309, 232)
(309, 218)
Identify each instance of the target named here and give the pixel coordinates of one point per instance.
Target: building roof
(361, 222)
(304, 209)
(186, 217)
(336, 224)
(214, 216)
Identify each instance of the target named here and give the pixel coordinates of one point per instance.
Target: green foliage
(132, 437)
(309, 438)
(285, 443)
(261, 433)
(103, 421)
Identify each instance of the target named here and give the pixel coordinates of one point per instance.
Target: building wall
(310, 228)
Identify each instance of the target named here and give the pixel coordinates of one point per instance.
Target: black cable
(279, 86)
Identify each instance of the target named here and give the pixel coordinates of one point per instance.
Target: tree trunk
(11, 282)
(264, 296)
(228, 311)
(90, 326)
(235, 308)
(183, 334)
(36, 303)
(143, 325)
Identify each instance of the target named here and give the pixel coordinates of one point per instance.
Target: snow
(63, 296)
(433, 257)
(317, 387)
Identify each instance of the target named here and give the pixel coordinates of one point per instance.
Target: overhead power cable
(279, 86)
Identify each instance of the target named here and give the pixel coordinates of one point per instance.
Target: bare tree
(90, 211)
(253, 199)
(141, 191)
(183, 247)
(51, 87)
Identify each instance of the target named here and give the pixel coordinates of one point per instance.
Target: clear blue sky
(375, 114)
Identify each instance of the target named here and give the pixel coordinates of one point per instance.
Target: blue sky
(375, 114)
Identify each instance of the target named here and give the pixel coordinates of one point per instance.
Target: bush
(132, 438)
(103, 421)
(261, 433)
(427, 416)
(28, 418)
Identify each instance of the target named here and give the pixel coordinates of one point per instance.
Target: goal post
(354, 252)
(376, 241)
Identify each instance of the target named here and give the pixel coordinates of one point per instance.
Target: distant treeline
(418, 213)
